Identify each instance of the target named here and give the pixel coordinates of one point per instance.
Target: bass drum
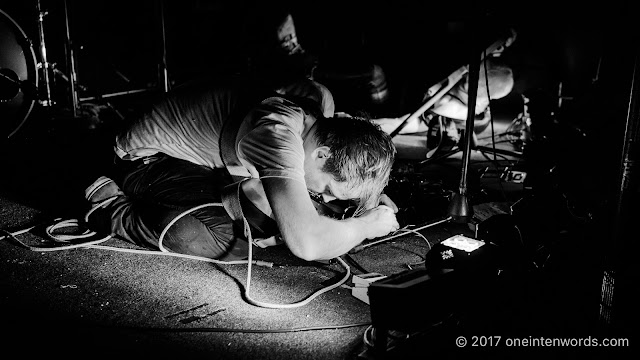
(18, 76)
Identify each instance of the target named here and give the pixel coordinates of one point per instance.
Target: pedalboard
(454, 274)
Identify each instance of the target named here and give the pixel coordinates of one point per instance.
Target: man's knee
(207, 232)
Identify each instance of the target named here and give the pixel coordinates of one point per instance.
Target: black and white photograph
(354, 180)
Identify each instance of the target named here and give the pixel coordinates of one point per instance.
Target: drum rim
(34, 70)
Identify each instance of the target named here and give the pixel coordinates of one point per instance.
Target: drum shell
(17, 57)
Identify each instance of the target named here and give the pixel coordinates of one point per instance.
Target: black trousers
(159, 189)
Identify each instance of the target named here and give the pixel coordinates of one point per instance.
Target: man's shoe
(100, 194)
(101, 190)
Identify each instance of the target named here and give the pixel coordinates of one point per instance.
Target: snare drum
(18, 76)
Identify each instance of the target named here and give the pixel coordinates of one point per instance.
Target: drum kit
(27, 78)
(23, 80)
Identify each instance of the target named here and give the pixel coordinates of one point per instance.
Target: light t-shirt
(188, 126)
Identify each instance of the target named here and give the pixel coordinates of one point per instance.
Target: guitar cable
(59, 223)
(401, 232)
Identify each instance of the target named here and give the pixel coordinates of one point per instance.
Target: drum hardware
(164, 73)
(519, 131)
(438, 90)
(9, 84)
(120, 93)
(435, 92)
(459, 209)
(21, 72)
(44, 65)
(19, 76)
(27, 79)
(48, 69)
(73, 80)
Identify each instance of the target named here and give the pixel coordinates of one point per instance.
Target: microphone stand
(459, 209)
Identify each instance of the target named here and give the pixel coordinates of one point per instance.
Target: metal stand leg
(164, 74)
(44, 65)
(71, 63)
(459, 208)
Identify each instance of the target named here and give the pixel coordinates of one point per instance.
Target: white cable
(407, 231)
(195, 257)
(163, 251)
(420, 235)
(57, 238)
(249, 263)
(367, 336)
(175, 219)
(292, 305)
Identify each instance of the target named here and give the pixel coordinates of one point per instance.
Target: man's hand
(386, 200)
(380, 221)
(311, 236)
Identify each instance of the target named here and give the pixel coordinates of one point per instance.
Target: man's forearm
(311, 236)
(328, 239)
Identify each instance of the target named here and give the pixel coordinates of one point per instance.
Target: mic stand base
(459, 209)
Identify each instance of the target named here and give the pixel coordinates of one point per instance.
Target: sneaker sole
(97, 185)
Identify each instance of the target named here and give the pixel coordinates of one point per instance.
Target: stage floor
(91, 301)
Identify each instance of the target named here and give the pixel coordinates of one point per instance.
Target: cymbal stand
(164, 74)
(438, 90)
(44, 64)
(73, 78)
(49, 69)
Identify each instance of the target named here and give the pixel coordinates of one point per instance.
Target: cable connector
(262, 263)
(357, 249)
(361, 285)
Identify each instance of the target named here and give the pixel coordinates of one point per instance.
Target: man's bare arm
(311, 236)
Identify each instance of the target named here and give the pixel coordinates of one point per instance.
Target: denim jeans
(159, 189)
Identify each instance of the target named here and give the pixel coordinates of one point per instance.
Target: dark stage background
(118, 44)
(583, 51)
